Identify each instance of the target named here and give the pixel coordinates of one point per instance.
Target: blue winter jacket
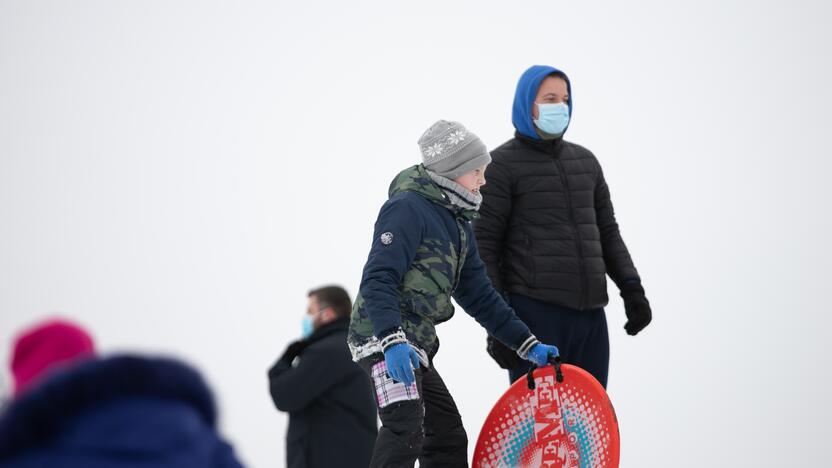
(423, 254)
(116, 412)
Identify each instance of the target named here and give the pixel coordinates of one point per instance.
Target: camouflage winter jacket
(423, 254)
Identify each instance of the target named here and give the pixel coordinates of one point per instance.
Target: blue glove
(540, 354)
(401, 359)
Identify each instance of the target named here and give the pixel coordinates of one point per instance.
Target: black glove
(504, 356)
(294, 350)
(636, 307)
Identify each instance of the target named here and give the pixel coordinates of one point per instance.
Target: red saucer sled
(558, 416)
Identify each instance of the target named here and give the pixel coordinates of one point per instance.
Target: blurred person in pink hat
(75, 409)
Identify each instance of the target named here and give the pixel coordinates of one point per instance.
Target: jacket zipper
(463, 252)
(578, 241)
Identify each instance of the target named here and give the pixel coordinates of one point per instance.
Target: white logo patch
(387, 238)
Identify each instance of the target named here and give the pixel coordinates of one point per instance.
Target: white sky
(176, 176)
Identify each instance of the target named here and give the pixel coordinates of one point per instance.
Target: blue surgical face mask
(307, 327)
(552, 118)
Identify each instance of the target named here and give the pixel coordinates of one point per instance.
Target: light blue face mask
(552, 118)
(307, 327)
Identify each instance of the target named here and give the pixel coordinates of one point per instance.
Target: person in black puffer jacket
(548, 234)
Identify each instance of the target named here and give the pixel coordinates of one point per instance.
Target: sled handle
(558, 372)
(555, 361)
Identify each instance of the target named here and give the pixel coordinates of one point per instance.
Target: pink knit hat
(44, 347)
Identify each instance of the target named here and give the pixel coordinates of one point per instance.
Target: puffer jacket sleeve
(477, 296)
(398, 233)
(317, 372)
(495, 212)
(617, 259)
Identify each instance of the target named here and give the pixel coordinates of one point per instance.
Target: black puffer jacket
(547, 228)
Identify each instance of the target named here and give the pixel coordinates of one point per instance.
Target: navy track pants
(580, 335)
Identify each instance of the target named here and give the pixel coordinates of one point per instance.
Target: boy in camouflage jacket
(423, 254)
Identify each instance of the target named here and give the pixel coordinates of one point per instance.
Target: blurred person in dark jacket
(332, 414)
(73, 409)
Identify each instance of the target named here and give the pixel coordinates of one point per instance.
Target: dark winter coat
(332, 411)
(113, 413)
(547, 229)
(423, 254)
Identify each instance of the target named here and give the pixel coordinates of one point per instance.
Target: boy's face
(473, 180)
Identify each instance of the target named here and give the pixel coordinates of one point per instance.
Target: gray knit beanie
(450, 150)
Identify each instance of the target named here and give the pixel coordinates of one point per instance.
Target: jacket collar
(550, 146)
(416, 179)
(335, 326)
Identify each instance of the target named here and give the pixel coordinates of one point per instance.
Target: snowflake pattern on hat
(433, 150)
(457, 136)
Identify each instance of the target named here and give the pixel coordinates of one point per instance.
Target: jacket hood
(524, 95)
(48, 409)
(416, 179)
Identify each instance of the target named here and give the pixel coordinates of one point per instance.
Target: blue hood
(521, 112)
